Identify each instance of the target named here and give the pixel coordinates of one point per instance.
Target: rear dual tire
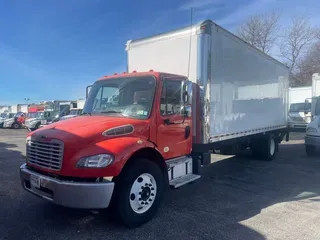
(265, 147)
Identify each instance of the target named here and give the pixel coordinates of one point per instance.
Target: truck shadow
(232, 190)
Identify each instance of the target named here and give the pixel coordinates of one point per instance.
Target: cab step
(178, 182)
(180, 171)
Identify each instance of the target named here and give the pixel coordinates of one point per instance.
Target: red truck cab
(134, 129)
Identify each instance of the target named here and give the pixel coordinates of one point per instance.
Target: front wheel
(139, 192)
(15, 125)
(310, 150)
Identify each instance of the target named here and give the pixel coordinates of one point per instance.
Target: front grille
(46, 154)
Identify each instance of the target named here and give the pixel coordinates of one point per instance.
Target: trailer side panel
(248, 89)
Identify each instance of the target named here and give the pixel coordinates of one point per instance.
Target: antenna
(191, 15)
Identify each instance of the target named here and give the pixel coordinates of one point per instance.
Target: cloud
(196, 4)
(233, 19)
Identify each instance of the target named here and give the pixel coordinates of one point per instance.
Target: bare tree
(260, 30)
(309, 64)
(295, 40)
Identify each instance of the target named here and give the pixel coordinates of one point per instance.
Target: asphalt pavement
(236, 198)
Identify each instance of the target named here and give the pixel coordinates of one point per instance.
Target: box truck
(312, 138)
(298, 118)
(145, 130)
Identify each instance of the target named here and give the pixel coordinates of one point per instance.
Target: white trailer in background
(299, 94)
(80, 103)
(298, 118)
(14, 108)
(244, 91)
(23, 108)
(312, 139)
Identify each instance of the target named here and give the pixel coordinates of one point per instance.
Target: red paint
(82, 136)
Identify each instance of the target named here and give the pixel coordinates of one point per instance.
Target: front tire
(138, 192)
(15, 126)
(310, 150)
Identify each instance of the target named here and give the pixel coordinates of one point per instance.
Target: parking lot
(236, 198)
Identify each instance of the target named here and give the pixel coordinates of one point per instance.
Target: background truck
(141, 132)
(16, 120)
(298, 118)
(74, 112)
(6, 116)
(44, 111)
(312, 138)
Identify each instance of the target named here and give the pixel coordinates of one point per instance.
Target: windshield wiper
(85, 113)
(111, 111)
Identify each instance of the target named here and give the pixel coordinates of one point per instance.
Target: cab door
(174, 129)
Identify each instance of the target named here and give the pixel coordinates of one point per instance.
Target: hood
(9, 120)
(299, 114)
(85, 129)
(31, 119)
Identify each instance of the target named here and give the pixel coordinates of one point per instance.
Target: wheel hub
(143, 193)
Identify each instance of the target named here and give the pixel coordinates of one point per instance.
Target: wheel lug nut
(146, 184)
(150, 199)
(152, 194)
(142, 203)
(146, 203)
(152, 188)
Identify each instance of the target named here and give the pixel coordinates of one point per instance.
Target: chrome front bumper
(312, 140)
(85, 195)
(297, 124)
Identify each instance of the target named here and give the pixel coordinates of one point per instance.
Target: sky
(53, 49)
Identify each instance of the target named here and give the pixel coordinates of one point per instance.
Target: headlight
(28, 139)
(95, 161)
(311, 129)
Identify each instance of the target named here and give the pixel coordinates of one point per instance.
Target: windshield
(11, 115)
(34, 115)
(75, 112)
(300, 107)
(3, 115)
(128, 97)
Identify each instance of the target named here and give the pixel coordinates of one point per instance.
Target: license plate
(43, 121)
(35, 181)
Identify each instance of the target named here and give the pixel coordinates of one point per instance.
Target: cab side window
(170, 97)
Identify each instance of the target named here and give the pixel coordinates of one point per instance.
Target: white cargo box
(245, 91)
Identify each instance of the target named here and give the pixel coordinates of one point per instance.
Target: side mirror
(88, 88)
(185, 111)
(186, 92)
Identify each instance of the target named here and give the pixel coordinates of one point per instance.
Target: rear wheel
(138, 193)
(310, 150)
(15, 125)
(265, 148)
